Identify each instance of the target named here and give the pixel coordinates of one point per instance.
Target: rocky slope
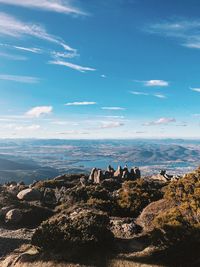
(116, 218)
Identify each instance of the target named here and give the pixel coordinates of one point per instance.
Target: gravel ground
(13, 239)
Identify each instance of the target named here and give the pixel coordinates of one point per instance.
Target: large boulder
(13, 216)
(145, 219)
(34, 215)
(29, 194)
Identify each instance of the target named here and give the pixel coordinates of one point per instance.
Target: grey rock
(98, 177)
(29, 194)
(5, 210)
(118, 172)
(13, 216)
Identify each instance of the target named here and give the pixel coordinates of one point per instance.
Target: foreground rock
(29, 194)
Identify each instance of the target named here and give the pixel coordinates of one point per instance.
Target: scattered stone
(124, 227)
(5, 210)
(13, 216)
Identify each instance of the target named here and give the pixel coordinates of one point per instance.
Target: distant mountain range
(24, 159)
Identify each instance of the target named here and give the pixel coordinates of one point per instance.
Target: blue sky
(99, 69)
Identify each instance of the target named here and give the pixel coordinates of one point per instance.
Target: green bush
(79, 232)
(134, 196)
(83, 194)
(180, 224)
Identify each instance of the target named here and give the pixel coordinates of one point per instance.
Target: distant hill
(18, 169)
(6, 164)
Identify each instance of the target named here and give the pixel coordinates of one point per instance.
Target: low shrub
(134, 196)
(78, 232)
(180, 225)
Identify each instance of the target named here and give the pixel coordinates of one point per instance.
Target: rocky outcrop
(159, 178)
(96, 176)
(118, 172)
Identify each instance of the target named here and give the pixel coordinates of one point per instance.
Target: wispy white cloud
(138, 93)
(17, 78)
(195, 45)
(58, 6)
(63, 122)
(114, 117)
(195, 89)
(73, 132)
(160, 121)
(29, 49)
(186, 31)
(19, 127)
(113, 108)
(83, 103)
(140, 132)
(71, 65)
(21, 48)
(112, 124)
(153, 83)
(182, 124)
(13, 27)
(36, 112)
(32, 127)
(160, 96)
(58, 55)
(12, 57)
(11, 118)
